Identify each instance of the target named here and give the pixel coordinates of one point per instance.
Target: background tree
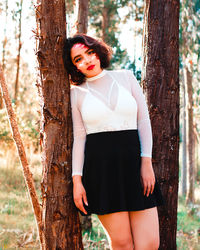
(82, 17)
(184, 119)
(21, 152)
(190, 50)
(105, 19)
(160, 76)
(19, 51)
(60, 219)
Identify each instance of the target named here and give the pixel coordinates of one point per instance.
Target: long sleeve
(143, 120)
(79, 134)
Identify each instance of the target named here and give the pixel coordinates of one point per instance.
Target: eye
(77, 60)
(91, 52)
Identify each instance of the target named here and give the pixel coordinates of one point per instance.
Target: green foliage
(28, 127)
(5, 134)
(17, 223)
(137, 73)
(190, 27)
(69, 6)
(188, 225)
(95, 238)
(105, 19)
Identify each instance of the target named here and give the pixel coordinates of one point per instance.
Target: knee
(122, 243)
(150, 244)
(153, 244)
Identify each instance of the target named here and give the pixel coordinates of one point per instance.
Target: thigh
(117, 226)
(145, 228)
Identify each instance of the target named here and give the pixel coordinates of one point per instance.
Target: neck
(97, 76)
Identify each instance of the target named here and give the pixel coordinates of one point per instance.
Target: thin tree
(21, 152)
(104, 17)
(190, 133)
(60, 219)
(19, 51)
(189, 38)
(160, 76)
(184, 141)
(82, 17)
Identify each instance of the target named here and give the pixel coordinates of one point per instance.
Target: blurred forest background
(120, 24)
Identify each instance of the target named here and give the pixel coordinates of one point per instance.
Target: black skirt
(111, 174)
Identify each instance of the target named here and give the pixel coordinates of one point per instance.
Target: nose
(87, 59)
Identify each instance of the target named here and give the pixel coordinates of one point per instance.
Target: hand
(147, 176)
(79, 194)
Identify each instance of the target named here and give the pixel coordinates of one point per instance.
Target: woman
(111, 163)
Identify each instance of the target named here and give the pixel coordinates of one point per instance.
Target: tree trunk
(190, 136)
(21, 152)
(82, 20)
(105, 21)
(19, 53)
(60, 219)
(160, 76)
(1, 101)
(184, 142)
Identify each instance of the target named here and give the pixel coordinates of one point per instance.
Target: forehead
(78, 49)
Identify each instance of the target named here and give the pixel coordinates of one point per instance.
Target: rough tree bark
(61, 227)
(82, 18)
(160, 76)
(19, 53)
(190, 135)
(21, 151)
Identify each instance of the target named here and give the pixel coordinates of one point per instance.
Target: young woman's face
(85, 60)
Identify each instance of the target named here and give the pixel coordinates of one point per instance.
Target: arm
(143, 120)
(79, 135)
(145, 135)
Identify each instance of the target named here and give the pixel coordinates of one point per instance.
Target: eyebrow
(80, 55)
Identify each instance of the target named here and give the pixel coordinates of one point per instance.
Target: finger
(81, 207)
(148, 189)
(85, 199)
(79, 204)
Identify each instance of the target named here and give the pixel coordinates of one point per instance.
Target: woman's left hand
(147, 175)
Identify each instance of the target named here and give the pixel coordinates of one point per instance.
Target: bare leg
(145, 229)
(117, 225)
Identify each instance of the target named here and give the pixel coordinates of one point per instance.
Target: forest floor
(17, 223)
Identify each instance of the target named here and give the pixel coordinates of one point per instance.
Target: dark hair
(103, 51)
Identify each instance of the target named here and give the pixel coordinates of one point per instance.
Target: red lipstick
(91, 67)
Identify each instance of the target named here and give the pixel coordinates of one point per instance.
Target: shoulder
(77, 93)
(122, 73)
(117, 72)
(77, 88)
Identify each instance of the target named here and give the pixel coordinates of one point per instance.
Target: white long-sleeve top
(110, 101)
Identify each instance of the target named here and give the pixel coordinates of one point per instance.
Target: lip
(91, 67)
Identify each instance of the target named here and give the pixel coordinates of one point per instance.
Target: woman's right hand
(79, 194)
